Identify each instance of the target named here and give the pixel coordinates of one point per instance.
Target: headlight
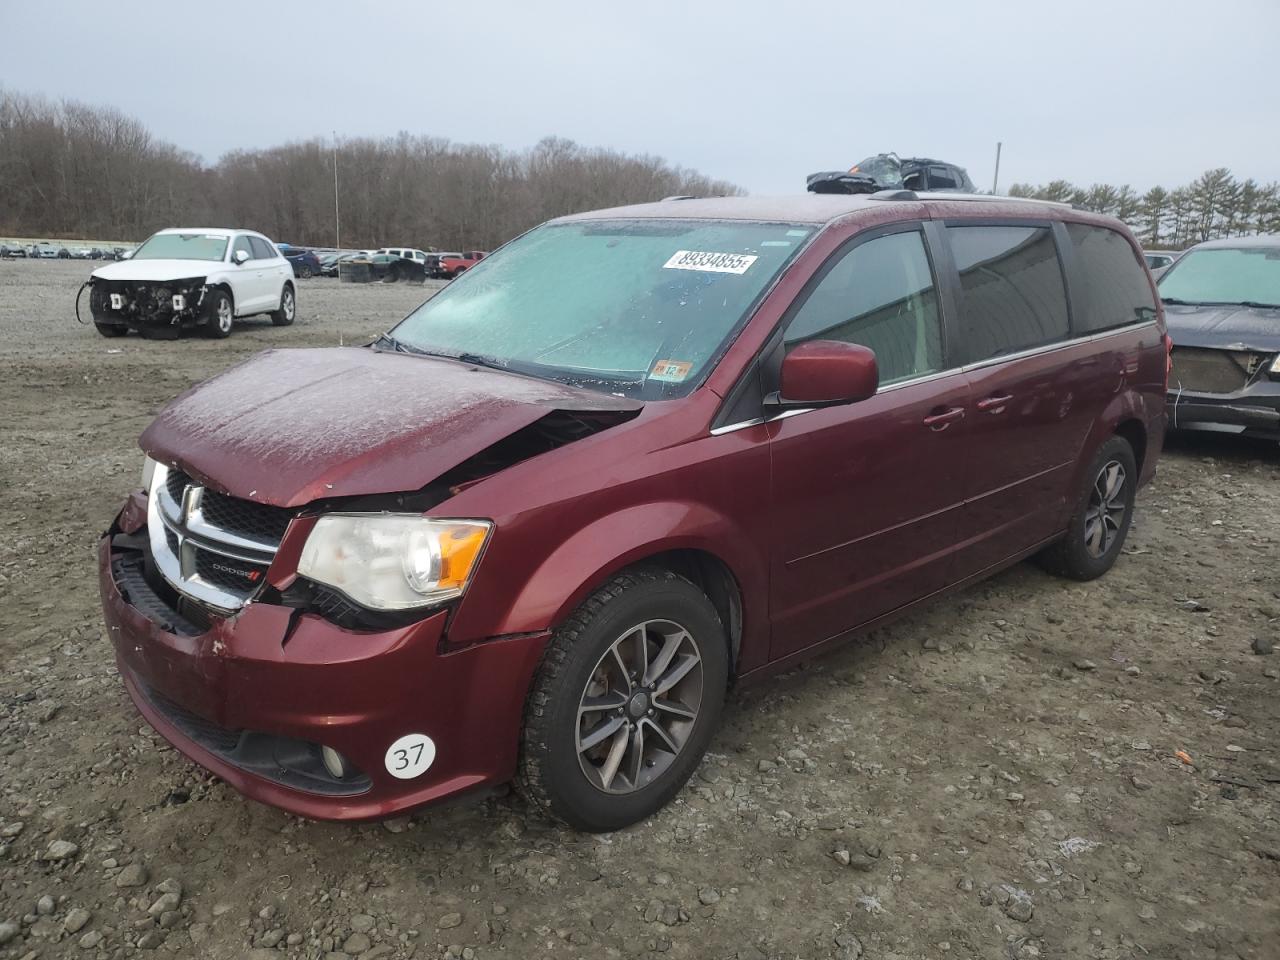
(1275, 364)
(148, 472)
(390, 561)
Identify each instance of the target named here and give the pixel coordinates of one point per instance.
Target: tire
(111, 329)
(1090, 548)
(221, 316)
(392, 275)
(288, 307)
(305, 272)
(581, 783)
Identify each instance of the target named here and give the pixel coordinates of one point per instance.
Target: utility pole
(337, 224)
(995, 181)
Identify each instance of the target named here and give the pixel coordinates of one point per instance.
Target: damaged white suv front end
(193, 277)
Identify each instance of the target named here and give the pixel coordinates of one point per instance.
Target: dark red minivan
(539, 528)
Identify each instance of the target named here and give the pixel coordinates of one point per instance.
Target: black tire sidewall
(211, 324)
(573, 798)
(279, 317)
(1076, 553)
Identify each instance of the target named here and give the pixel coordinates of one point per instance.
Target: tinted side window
(1013, 295)
(1116, 291)
(261, 249)
(880, 294)
(941, 178)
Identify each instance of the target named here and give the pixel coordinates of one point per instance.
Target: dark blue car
(305, 263)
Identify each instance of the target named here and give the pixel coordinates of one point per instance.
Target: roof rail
(679, 196)
(974, 197)
(894, 195)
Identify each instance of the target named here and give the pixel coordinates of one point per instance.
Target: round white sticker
(410, 756)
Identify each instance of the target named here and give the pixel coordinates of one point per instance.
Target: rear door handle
(944, 416)
(994, 403)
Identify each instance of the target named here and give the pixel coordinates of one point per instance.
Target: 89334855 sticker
(709, 261)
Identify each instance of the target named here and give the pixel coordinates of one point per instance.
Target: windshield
(634, 307)
(1241, 275)
(182, 246)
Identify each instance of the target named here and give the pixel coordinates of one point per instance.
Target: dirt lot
(993, 777)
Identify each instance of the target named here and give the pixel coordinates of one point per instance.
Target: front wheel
(625, 701)
(222, 315)
(288, 307)
(111, 329)
(1100, 521)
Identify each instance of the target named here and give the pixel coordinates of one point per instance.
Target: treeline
(70, 170)
(1215, 205)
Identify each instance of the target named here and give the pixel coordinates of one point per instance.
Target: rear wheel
(305, 272)
(1100, 521)
(288, 307)
(222, 315)
(625, 701)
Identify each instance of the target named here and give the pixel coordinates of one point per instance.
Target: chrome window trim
(981, 364)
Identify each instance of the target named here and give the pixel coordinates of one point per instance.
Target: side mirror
(125, 255)
(825, 373)
(240, 256)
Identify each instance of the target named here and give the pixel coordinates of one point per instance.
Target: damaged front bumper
(256, 696)
(1253, 411)
(158, 308)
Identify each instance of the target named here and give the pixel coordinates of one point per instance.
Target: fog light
(117, 301)
(179, 302)
(335, 763)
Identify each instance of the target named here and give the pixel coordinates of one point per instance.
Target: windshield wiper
(387, 340)
(1181, 303)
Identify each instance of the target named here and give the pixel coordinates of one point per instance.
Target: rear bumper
(253, 697)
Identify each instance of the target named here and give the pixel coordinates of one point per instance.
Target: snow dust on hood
(159, 271)
(1227, 327)
(291, 426)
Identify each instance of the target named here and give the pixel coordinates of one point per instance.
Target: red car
(537, 530)
(449, 265)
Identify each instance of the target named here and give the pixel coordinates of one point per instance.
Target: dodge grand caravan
(536, 530)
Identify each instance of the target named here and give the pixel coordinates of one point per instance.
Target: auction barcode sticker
(709, 262)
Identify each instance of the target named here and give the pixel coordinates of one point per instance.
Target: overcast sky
(758, 92)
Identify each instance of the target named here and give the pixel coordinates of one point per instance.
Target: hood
(1227, 327)
(161, 271)
(292, 426)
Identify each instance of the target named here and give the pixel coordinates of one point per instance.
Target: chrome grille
(211, 547)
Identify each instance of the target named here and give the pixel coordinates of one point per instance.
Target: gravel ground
(995, 776)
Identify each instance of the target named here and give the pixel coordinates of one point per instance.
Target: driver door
(867, 496)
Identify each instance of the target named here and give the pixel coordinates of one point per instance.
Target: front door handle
(995, 403)
(943, 416)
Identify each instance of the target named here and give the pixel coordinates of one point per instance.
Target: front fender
(587, 558)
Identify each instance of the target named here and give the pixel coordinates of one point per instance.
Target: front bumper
(253, 697)
(1254, 410)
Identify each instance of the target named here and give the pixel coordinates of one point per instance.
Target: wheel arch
(1135, 432)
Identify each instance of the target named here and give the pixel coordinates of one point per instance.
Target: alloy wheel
(1104, 517)
(639, 707)
(225, 315)
(286, 303)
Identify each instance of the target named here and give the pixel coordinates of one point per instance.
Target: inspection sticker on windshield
(671, 371)
(709, 262)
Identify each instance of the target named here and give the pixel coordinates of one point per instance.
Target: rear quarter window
(1013, 296)
(1113, 286)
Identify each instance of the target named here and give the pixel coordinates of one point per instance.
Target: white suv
(188, 277)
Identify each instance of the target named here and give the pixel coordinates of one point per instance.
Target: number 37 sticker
(410, 756)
